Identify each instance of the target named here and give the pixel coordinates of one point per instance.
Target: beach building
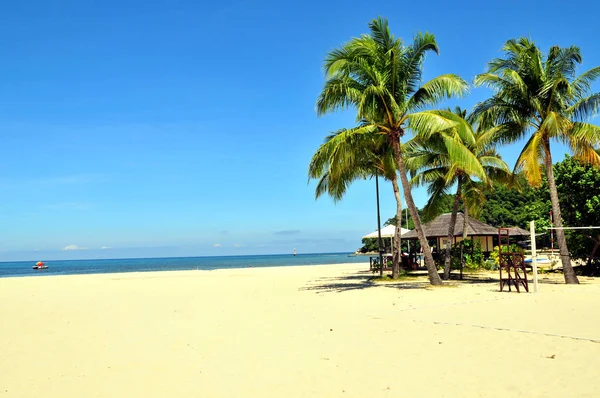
(437, 229)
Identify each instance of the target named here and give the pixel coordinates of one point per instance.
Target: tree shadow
(412, 280)
(361, 282)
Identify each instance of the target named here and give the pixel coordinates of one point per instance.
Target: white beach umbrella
(387, 232)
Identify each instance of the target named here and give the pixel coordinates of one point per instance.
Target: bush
(513, 248)
(471, 251)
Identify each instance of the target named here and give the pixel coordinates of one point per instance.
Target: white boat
(541, 261)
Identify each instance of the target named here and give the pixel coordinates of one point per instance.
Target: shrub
(471, 251)
(513, 248)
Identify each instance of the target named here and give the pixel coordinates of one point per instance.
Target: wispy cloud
(73, 247)
(217, 245)
(238, 245)
(287, 232)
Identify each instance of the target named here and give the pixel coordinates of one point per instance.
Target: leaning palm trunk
(464, 238)
(434, 277)
(565, 257)
(396, 258)
(448, 259)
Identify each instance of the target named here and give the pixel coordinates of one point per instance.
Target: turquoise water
(71, 267)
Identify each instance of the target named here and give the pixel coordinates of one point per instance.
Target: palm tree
(458, 156)
(346, 156)
(380, 76)
(541, 98)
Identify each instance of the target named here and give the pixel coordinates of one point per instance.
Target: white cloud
(238, 245)
(72, 247)
(105, 247)
(217, 245)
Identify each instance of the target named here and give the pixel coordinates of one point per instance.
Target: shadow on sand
(364, 280)
(412, 280)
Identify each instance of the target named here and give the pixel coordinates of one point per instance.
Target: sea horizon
(23, 268)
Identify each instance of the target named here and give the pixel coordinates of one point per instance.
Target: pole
(407, 242)
(551, 235)
(378, 225)
(533, 256)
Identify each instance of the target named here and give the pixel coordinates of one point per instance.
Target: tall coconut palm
(457, 156)
(381, 77)
(541, 98)
(346, 156)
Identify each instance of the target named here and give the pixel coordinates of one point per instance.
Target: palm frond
(530, 158)
(436, 89)
(427, 123)
(583, 83)
(462, 158)
(586, 108)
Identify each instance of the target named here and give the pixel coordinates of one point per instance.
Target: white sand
(289, 332)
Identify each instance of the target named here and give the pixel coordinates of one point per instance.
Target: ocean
(74, 267)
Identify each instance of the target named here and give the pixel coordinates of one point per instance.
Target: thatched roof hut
(516, 231)
(438, 229)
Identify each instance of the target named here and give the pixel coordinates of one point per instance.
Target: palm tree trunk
(434, 277)
(464, 237)
(568, 270)
(448, 259)
(396, 258)
(379, 246)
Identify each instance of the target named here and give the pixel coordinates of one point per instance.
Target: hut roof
(439, 227)
(516, 231)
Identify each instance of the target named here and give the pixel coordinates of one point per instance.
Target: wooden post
(533, 256)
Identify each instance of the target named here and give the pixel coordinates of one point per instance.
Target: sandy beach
(313, 331)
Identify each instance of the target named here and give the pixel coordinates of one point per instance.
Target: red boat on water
(40, 265)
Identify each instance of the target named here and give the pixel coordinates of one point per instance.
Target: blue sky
(183, 128)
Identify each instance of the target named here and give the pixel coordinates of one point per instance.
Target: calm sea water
(68, 267)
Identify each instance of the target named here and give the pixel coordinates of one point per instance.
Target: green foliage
(405, 215)
(507, 207)
(578, 186)
(370, 245)
(473, 255)
(445, 207)
(495, 254)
